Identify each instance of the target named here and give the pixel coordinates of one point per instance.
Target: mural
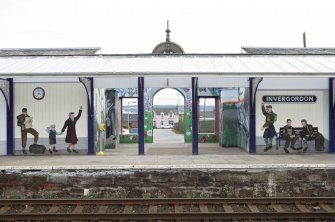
(148, 97)
(243, 119)
(111, 118)
(291, 121)
(99, 118)
(234, 124)
(209, 91)
(129, 93)
(113, 111)
(47, 104)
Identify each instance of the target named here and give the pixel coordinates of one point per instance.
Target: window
(129, 115)
(171, 114)
(207, 115)
(162, 123)
(162, 115)
(171, 123)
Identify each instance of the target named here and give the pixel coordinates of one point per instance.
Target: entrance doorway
(209, 119)
(168, 116)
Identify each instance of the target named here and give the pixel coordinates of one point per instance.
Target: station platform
(169, 156)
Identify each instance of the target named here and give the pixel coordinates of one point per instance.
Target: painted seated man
(270, 131)
(306, 134)
(289, 136)
(24, 121)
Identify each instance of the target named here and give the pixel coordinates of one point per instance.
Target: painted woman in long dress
(71, 135)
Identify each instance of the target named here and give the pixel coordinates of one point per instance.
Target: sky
(137, 26)
(133, 26)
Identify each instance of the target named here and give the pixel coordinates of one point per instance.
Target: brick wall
(166, 183)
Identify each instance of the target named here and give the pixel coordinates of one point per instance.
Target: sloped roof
(288, 51)
(49, 51)
(149, 64)
(166, 111)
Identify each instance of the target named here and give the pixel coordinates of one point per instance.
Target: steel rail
(188, 215)
(327, 212)
(168, 201)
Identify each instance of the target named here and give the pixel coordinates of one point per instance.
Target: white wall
(3, 121)
(60, 99)
(294, 83)
(315, 113)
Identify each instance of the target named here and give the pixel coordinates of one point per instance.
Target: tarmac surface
(169, 156)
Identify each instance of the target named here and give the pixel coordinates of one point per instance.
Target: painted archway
(177, 118)
(148, 113)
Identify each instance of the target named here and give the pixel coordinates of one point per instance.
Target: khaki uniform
(287, 133)
(23, 124)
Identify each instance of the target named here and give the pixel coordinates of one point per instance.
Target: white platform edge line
(186, 167)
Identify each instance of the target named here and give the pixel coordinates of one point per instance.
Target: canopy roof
(149, 64)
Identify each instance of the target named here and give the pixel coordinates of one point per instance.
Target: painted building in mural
(165, 117)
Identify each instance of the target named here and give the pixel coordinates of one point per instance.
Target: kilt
(269, 132)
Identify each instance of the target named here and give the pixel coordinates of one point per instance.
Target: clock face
(38, 93)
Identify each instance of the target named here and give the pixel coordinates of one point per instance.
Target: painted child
(52, 138)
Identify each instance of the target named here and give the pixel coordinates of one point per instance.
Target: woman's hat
(53, 126)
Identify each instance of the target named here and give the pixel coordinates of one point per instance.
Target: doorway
(168, 116)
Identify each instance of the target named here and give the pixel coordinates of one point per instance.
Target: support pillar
(253, 86)
(88, 84)
(7, 89)
(140, 115)
(331, 115)
(195, 150)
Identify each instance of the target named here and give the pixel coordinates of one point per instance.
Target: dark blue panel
(252, 118)
(141, 115)
(331, 116)
(10, 119)
(90, 118)
(195, 150)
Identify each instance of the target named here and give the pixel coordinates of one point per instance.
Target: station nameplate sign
(289, 99)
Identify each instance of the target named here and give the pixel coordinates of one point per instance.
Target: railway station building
(299, 83)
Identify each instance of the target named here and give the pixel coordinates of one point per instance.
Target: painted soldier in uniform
(289, 136)
(270, 131)
(71, 135)
(24, 121)
(306, 134)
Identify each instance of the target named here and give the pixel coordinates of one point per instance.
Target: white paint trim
(45, 79)
(116, 82)
(294, 83)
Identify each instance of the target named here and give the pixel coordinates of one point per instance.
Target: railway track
(252, 209)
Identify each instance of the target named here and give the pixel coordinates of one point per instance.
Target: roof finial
(304, 39)
(167, 32)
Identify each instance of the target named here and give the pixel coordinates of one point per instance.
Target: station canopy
(172, 64)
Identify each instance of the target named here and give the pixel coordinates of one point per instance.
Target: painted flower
(203, 139)
(214, 137)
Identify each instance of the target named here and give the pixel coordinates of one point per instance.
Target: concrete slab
(170, 156)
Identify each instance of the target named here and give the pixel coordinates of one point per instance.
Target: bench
(297, 131)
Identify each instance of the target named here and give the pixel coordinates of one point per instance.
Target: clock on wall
(38, 93)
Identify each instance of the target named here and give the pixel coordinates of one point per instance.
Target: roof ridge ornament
(167, 31)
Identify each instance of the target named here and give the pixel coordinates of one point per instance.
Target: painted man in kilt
(270, 131)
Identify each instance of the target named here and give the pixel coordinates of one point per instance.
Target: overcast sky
(136, 26)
